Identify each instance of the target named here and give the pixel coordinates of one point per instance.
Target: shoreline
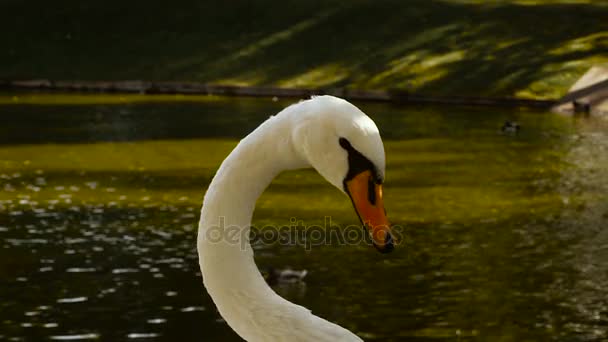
(197, 88)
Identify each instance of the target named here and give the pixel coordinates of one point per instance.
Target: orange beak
(366, 196)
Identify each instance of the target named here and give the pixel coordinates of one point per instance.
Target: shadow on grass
(442, 47)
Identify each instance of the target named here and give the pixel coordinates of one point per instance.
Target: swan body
(311, 133)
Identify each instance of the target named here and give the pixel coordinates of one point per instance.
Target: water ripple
(81, 270)
(72, 300)
(75, 337)
(157, 321)
(193, 309)
(124, 270)
(142, 335)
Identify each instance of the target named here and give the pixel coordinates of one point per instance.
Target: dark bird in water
(282, 276)
(510, 127)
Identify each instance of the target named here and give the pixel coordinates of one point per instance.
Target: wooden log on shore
(192, 88)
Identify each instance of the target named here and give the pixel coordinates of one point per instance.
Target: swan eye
(371, 191)
(358, 163)
(345, 144)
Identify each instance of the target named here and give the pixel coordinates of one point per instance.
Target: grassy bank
(533, 49)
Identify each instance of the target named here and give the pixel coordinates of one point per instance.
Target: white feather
(305, 134)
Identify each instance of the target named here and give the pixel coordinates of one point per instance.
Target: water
(504, 236)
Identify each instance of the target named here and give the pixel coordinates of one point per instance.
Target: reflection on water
(584, 227)
(504, 235)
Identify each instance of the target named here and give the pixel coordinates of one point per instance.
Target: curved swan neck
(225, 255)
(229, 272)
(248, 170)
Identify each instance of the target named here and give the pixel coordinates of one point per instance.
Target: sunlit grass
(321, 76)
(583, 44)
(418, 69)
(558, 74)
(451, 47)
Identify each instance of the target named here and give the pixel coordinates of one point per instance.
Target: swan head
(344, 146)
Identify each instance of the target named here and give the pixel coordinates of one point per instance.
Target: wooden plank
(584, 92)
(589, 94)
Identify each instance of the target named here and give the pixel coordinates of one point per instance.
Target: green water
(504, 237)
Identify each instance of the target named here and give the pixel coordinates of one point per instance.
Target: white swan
(344, 146)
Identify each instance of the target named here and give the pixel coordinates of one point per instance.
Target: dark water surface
(504, 236)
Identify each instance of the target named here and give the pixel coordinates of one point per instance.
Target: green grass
(523, 48)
